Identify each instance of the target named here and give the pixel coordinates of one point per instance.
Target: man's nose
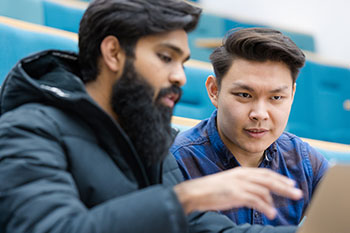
(259, 111)
(178, 76)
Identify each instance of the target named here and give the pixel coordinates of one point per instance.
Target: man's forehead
(261, 71)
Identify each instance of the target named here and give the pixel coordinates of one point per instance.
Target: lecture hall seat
(195, 102)
(19, 39)
(65, 15)
(321, 108)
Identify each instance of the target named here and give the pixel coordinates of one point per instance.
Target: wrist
(185, 197)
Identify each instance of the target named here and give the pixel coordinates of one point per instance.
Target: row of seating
(321, 105)
(61, 14)
(66, 15)
(19, 39)
(329, 98)
(321, 108)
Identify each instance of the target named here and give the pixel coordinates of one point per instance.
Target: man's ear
(112, 54)
(212, 89)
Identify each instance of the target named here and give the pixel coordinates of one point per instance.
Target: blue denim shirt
(200, 151)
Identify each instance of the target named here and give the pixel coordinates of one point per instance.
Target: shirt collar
(270, 152)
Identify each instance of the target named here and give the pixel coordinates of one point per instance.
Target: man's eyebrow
(280, 89)
(248, 88)
(175, 49)
(243, 86)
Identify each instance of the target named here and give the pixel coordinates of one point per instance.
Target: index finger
(278, 184)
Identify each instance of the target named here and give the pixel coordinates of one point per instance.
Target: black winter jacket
(66, 166)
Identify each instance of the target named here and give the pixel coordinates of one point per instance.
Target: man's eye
(243, 95)
(276, 97)
(164, 58)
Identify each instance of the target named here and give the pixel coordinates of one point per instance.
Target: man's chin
(165, 107)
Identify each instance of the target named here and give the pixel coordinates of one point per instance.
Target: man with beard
(84, 138)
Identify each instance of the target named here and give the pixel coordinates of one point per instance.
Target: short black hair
(256, 44)
(128, 20)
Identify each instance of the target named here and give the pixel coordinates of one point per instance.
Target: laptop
(329, 209)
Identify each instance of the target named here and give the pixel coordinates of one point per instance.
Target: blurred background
(327, 21)
(321, 108)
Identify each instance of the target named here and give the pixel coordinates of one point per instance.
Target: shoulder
(193, 137)
(296, 151)
(30, 132)
(30, 116)
(45, 119)
(171, 172)
(291, 143)
(287, 138)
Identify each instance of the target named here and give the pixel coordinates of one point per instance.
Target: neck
(100, 91)
(248, 159)
(244, 157)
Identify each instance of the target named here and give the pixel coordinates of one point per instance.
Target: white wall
(327, 20)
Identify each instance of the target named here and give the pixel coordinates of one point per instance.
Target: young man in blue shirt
(253, 90)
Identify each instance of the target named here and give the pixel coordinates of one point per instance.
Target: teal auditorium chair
(66, 15)
(334, 156)
(59, 14)
(209, 26)
(63, 15)
(321, 108)
(195, 102)
(19, 39)
(26, 10)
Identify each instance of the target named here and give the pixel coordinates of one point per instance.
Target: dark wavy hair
(256, 44)
(128, 20)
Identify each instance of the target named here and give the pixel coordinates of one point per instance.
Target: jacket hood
(51, 77)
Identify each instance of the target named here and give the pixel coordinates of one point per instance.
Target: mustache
(170, 90)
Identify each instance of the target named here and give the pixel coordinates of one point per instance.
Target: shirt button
(256, 214)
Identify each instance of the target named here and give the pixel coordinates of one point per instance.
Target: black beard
(146, 122)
